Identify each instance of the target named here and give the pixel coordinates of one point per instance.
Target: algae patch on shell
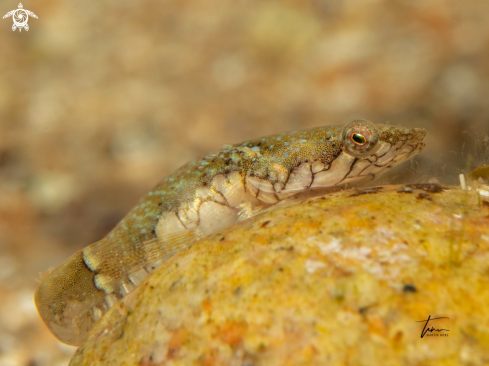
(339, 279)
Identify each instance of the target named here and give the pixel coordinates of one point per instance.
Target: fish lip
(415, 142)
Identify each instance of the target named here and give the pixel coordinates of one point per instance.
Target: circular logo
(20, 18)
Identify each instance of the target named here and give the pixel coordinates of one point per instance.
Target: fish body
(205, 196)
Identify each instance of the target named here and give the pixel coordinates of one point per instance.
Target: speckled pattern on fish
(206, 196)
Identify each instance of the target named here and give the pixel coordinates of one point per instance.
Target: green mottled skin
(74, 296)
(289, 149)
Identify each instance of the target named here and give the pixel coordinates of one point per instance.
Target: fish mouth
(396, 145)
(407, 142)
(416, 142)
(418, 135)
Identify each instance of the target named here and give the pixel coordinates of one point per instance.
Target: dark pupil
(358, 138)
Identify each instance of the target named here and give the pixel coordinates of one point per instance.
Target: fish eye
(360, 139)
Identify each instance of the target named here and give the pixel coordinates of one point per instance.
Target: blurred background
(100, 100)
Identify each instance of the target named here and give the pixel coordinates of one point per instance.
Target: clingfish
(207, 195)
